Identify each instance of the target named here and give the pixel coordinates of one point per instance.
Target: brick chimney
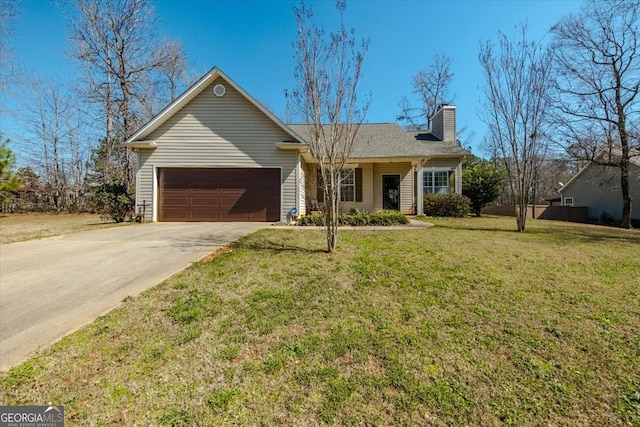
(443, 123)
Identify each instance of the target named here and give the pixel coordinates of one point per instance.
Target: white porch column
(300, 197)
(155, 203)
(420, 201)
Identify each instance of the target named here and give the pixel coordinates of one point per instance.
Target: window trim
(430, 189)
(344, 175)
(568, 201)
(357, 184)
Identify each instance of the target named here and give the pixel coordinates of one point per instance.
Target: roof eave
(149, 143)
(588, 165)
(292, 146)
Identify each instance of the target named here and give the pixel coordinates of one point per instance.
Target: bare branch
(328, 72)
(597, 82)
(431, 86)
(517, 81)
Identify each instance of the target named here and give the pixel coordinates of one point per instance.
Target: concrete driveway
(51, 287)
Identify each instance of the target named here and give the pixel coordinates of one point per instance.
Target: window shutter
(452, 182)
(358, 184)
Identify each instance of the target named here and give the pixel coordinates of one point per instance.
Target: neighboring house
(598, 188)
(216, 154)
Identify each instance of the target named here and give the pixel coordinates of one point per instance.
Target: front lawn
(465, 323)
(29, 226)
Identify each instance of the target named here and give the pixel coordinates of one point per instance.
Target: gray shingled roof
(389, 140)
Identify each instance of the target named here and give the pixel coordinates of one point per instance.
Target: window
(436, 182)
(347, 186)
(568, 201)
(350, 185)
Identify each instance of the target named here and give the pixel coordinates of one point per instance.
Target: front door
(391, 192)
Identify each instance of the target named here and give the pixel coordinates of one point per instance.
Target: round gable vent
(219, 90)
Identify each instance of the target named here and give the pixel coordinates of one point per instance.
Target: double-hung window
(347, 186)
(350, 185)
(436, 182)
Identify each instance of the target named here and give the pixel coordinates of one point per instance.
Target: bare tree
(172, 66)
(517, 81)
(54, 142)
(554, 173)
(166, 80)
(597, 69)
(123, 63)
(431, 86)
(328, 72)
(110, 43)
(8, 13)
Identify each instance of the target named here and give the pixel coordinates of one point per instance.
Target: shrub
(448, 205)
(314, 219)
(357, 218)
(387, 217)
(114, 201)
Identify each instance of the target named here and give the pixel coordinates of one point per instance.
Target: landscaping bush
(357, 218)
(387, 217)
(447, 205)
(313, 219)
(115, 201)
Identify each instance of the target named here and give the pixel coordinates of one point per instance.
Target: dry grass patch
(465, 323)
(30, 226)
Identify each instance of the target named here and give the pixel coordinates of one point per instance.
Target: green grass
(465, 323)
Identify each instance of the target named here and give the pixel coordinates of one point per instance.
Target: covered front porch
(385, 184)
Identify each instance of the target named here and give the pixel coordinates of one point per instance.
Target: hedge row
(447, 205)
(357, 218)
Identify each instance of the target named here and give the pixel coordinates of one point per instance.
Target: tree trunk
(521, 217)
(624, 161)
(626, 197)
(332, 212)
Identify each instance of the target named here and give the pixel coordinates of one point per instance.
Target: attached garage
(216, 154)
(219, 194)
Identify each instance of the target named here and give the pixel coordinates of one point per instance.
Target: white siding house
(216, 154)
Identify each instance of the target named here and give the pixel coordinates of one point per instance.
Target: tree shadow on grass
(262, 243)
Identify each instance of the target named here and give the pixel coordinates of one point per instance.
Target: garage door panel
(176, 215)
(206, 215)
(202, 198)
(175, 181)
(176, 200)
(221, 194)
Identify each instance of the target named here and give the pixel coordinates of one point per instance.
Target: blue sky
(251, 41)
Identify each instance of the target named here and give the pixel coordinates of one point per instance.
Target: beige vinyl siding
(144, 185)
(367, 188)
(212, 131)
(444, 123)
(598, 188)
(405, 171)
(367, 195)
(453, 164)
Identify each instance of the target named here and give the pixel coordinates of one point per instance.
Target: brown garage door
(221, 194)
